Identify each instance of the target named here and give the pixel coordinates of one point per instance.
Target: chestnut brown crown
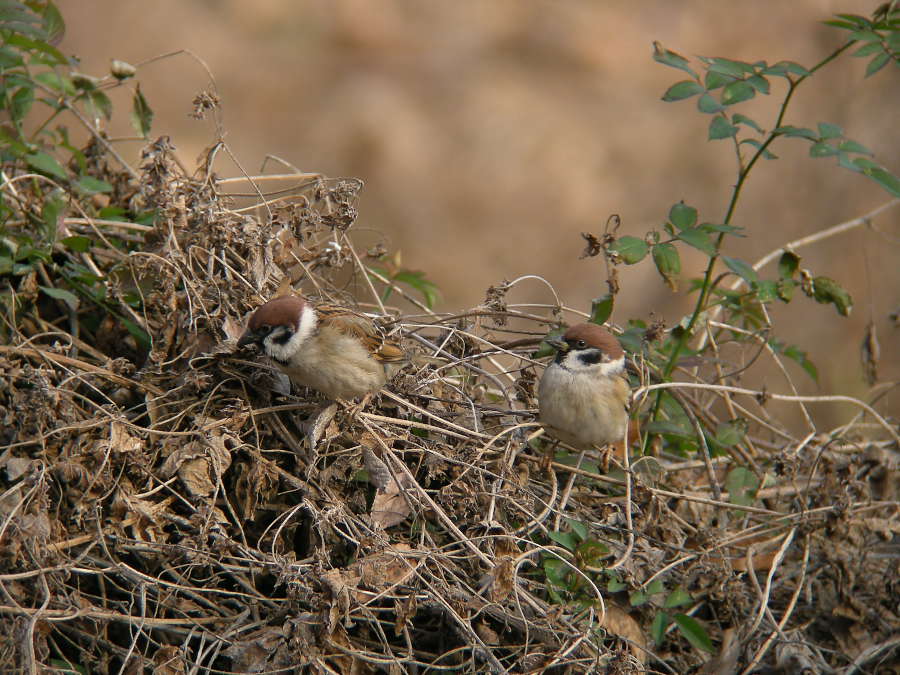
(283, 311)
(593, 336)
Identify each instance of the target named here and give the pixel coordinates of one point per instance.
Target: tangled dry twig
(162, 507)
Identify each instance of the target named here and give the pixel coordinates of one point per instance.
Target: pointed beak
(558, 344)
(248, 338)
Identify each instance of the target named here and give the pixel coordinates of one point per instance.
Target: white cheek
(307, 327)
(284, 352)
(604, 368)
(613, 367)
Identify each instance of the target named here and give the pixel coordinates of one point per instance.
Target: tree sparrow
(332, 349)
(584, 394)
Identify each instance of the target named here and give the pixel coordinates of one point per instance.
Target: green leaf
(869, 49)
(731, 67)
(638, 598)
(709, 105)
(759, 83)
(56, 81)
(827, 130)
(785, 289)
(592, 552)
(51, 212)
(77, 243)
(737, 92)
(544, 349)
(741, 268)
(630, 249)
(677, 598)
(55, 57)
(20, 103)
(682, 90)
(827, 291)
(138, 333)
(795, 68)
(853, 146)
(682, 216)
(59, 294)
(9, 58)
(100, 104)
(614, 585)
(658, 628)
(865, 36)
(742, 485)
(44, 163)
(731, 433)
(671, 59)
(766, 291)
(714, 80)
(822, 149)
(883, 177)
(720, 128)
(417, 280)
(565, 539)
(877, 63)
(796, 132)
(557, 571)
(857, 19)
(670, 429)
(864, 163)
(90, 185)
(694, 632)
(579, 528)
(721, 227)
(743, 119)
(839, 24)
(601, 309)
(799, 356)
(54, 26)
(699, 239)
(667, 263)
(654, 587)
(788, 264)
(141, 114)
(759, 146)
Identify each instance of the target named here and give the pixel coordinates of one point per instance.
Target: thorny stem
(707, 287)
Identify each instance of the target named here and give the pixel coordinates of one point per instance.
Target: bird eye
(265, 328)
(581, 344)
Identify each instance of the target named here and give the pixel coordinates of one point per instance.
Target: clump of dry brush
(161, 505)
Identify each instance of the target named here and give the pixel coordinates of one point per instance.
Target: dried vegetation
(161, 506)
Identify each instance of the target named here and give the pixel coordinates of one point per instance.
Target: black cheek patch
(590, 357)
(282, 337)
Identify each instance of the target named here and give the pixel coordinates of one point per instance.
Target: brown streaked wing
(349, 322)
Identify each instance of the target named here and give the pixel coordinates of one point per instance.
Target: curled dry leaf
(619, 622)
(200, 464)
(121, 441)
(389, 507)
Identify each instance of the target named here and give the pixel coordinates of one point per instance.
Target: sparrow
(332, 349)
(584, 393)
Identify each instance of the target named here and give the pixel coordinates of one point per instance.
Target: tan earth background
(490, 134)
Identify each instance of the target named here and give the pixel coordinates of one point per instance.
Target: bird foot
(354, 409)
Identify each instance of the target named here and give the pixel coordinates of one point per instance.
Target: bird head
(589, 348)
(280, 327)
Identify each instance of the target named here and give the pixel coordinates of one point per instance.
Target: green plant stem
(707, 286)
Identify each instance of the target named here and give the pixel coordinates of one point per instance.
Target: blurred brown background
(490, 133)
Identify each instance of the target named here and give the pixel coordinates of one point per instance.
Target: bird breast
(583, 409)
(337, 365)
